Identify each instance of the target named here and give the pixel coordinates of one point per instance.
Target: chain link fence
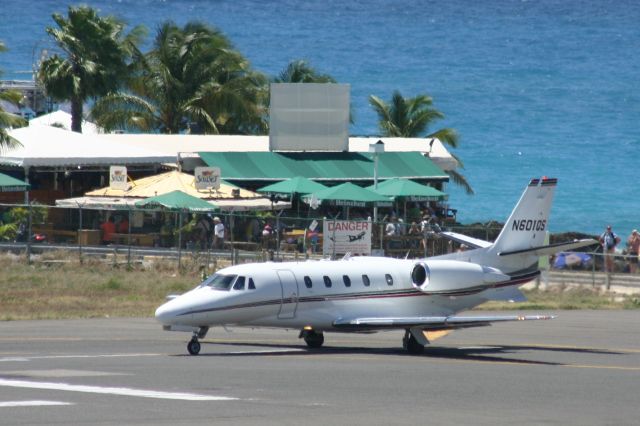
(34, 229)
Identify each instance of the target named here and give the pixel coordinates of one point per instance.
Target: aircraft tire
(193, 347)
(412, 346)
(314, 339)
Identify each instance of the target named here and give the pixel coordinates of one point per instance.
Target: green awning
(11, 184)
(296, 185)
(177, 200)
(408, 190)
(325, 166)
(349, 194)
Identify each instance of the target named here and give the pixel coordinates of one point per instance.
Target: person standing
(633, 247)
(609, 240)
(218, 233)
(123, 225)
(390, 229)
(108, 229)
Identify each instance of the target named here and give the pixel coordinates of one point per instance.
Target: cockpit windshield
(219, 282)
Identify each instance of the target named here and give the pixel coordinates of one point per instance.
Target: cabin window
(327, 281)
(239, 285)
(252, 286)
(307, 281)
(347, 280)
(366, 281)
(389, 279)
(219, 281)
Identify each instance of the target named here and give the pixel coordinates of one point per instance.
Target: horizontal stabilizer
(430, 323)
(551, 248)
(463, 239)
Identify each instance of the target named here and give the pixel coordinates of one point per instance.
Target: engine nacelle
(454, 276)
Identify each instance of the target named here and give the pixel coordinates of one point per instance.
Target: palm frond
(460, 180)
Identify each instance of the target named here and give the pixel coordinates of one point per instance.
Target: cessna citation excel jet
(367, 294)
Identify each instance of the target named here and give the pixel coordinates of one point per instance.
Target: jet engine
(454, 277)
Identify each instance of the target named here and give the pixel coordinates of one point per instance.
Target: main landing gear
(313, 339)
(414, 345)
(194, 345)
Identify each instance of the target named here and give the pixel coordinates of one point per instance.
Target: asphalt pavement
(581, 368)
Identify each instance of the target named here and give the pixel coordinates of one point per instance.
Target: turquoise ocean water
(544, 87)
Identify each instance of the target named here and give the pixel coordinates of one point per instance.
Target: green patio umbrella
(180, 202)
(177, 201)
(408, 189)
(349, 195)
(296, 185)
(11, 184)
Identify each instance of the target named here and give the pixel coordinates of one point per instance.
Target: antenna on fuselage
(346, 256)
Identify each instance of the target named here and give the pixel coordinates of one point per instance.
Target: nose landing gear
(193, 347)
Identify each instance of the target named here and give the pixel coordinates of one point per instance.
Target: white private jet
(367, 294)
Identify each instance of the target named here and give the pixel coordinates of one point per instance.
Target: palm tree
(192, 80)
(299, 71)
(7, 119)
(92, 61)
(410, 118)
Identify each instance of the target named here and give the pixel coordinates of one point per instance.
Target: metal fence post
(79, 229)
(29, 233)
(129, 239)
(179, 239)
(593, 270)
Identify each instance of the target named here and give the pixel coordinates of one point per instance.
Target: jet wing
(463, 239)
(429, 323)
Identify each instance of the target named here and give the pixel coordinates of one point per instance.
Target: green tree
(7, 119)
(192, 80)
(411, 118)
(93, 57)
(299, 71)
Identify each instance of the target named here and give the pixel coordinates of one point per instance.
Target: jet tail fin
(527, 224)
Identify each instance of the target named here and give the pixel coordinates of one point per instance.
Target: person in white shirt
(218, 233)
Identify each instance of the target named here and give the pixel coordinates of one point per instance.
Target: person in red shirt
(108, 229)
(123, 225)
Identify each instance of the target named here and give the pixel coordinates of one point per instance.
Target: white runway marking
(31, 403)
(26, 359)
(266, 352)
(113, 391)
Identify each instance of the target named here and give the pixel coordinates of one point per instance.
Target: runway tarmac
(581, 368)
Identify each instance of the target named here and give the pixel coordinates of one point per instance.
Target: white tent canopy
(173, 144)
(46, 146)
(125, 203)
(63, 119)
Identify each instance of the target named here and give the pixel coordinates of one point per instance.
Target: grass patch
(561, 298)
(94, 289)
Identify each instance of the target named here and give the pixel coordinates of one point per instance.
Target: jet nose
(166, 313)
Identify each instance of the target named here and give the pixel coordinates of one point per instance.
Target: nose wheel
(193, 346)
